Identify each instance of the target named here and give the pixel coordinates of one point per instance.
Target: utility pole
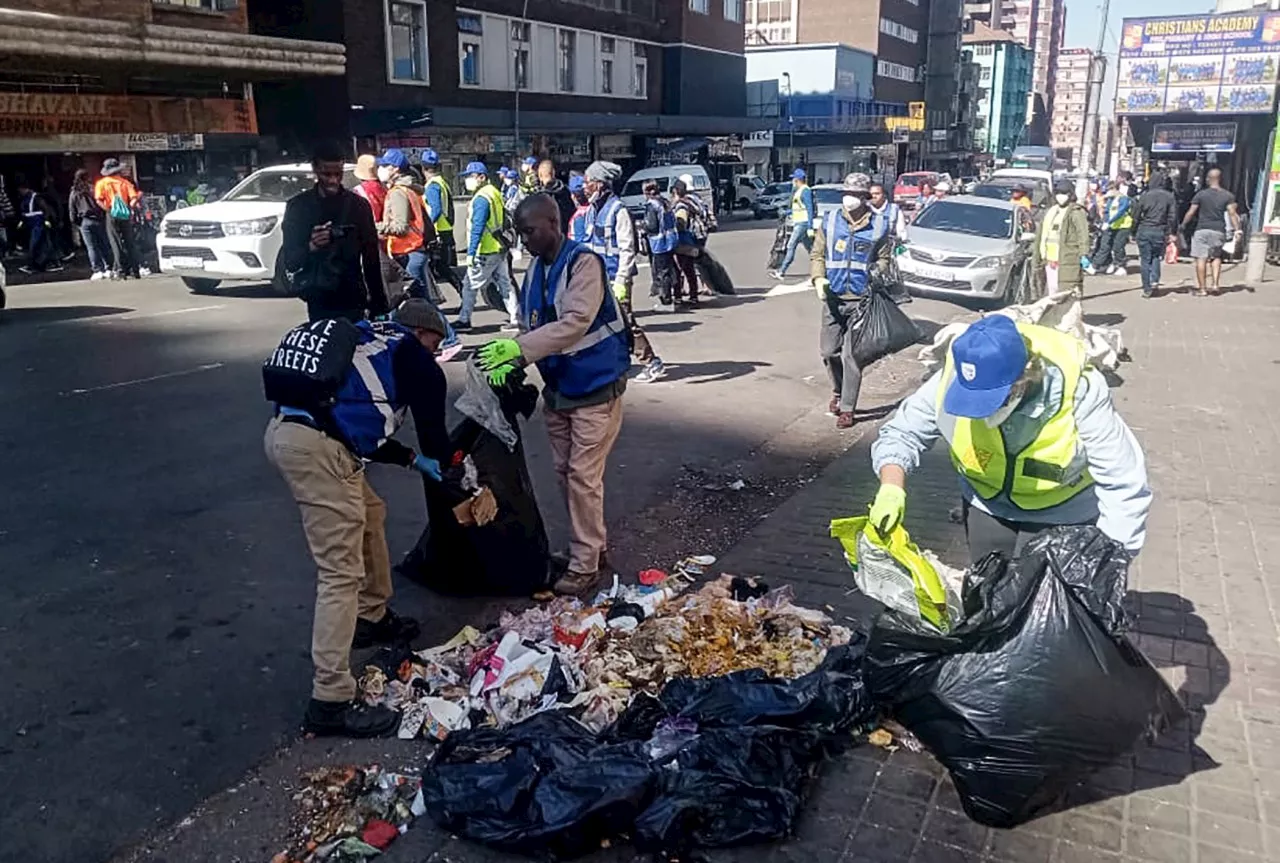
(515, 75)
(1093, 97)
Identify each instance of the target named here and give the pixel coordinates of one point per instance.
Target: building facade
(573, 80)
(1040, 26)
(167, 87)
(1070, 100)
(1005, 73)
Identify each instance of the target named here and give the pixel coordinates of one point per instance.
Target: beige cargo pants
(344, 521)
(581, 440)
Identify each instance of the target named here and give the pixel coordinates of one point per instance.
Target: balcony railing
(638, 8)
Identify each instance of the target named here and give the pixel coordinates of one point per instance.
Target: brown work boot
(576, 583)
(844, 420)
(833, 406)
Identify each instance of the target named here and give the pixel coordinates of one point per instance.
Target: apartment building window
(889, 69)
(568, 59)
(520, 54)
(640, 73)
(407, 41)
(209, 5)
(702, 7)
(986, 75)
(606, 64)
(470, 36)
(733, 10)
(899, 31)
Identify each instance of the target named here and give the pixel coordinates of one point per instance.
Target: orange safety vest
(411, 240)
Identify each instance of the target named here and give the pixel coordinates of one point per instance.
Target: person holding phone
(330, 245)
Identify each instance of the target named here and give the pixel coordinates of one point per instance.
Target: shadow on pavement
(52, 314)
(1116, 292)
(876, 413)
(672, 326)
(1171, 635)
(1111, 319)
(250, 291)
(705, 373)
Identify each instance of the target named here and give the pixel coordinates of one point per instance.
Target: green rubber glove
(498, 352)
(620, 290)
(821, 285)
(498, 376)
(889, 508)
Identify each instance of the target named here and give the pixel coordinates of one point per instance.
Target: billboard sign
(1203, 64)
(1193, 138)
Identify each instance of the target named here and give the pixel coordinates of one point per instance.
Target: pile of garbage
(596, 658)
(349, 814)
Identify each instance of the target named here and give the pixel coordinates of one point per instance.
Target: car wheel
(744, 204)
(201, 286)
(280, 284)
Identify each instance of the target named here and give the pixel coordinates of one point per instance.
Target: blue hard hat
(475, 168)
(529, 161)
(395, 159)
(430, 157)
(577, 183)
(989, 358)
(798, 174)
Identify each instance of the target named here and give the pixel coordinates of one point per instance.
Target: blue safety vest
(885, 222)
(848, 255)
(579, 228)
(666, 239)
(604, 235)
(602, 356)
(367, 411)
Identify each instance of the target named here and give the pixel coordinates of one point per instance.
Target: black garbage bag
(781, 237)
(712, 762)
(713, 273)
(510, 556)
(884, 329)
(1036, 687)
(545, 785)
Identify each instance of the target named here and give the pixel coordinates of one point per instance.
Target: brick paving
(1201, 396)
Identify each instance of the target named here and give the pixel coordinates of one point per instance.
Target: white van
(632, 194)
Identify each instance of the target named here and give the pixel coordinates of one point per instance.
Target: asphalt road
(156, 592)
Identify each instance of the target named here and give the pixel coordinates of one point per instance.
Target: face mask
(384, 174)
(472, 183)
(1062, 199)
(852, 203)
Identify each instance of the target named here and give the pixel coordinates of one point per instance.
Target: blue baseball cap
(395, 159)
(577, 183)
(989, 358)
(475, 168)
(430, 157)
(529, 161)
(798, 174)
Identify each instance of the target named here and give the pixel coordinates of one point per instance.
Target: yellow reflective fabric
(488, 241)
(1050, 236)
(799, 212)
(446, 203)
(1043, 472)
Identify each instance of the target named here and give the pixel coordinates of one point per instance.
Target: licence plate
(187, 263)
(942, 274)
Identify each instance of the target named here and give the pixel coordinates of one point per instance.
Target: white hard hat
(687, 179)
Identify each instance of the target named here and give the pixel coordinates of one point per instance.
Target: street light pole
(791, 125)
(515, 66)
(1093, 96)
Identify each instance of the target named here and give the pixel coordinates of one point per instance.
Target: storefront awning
(66, 38)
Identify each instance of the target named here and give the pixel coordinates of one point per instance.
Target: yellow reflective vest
(1051, 234)
(489, 240)
(799, 212)
(442, 223)
(1053, 468)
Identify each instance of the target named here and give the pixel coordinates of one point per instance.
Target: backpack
(119, 209)
(310, 365)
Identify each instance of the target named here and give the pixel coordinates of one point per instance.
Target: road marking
(783, 290)
(187, 311)
(207, 367)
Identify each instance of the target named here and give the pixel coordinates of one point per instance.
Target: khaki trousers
(345, 522)
(581, 440)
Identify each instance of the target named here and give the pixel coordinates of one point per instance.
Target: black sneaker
(349, 719)
(392, 629)
(462, 326)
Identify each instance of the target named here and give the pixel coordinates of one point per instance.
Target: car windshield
(974, 220)
(635, 188)
(1001, 189)
(914, 179)
(279, 186)
(757, 182)
(828, 196)
(777, 189)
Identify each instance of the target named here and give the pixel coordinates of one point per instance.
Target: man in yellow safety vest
(1033, 435)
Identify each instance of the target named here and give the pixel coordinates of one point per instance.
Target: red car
(907, 189)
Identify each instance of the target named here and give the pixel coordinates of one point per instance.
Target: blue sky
(1082, 27)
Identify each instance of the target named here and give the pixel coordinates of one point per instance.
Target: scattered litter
(349, 814)
(881, 738)
(737, 485)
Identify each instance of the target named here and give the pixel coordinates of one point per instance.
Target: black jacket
(355, 253)
(81, 206)
(1157, 210)
(564, 201)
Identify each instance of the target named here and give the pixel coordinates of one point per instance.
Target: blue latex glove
(498, 352)
(427, 467)
(498, 377)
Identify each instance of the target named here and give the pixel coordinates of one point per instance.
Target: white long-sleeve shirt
(1119, 499)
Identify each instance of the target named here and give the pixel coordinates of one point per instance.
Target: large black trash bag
(545, 785)
(510, 555)
(883, 330)
(781, 236)
(714, 273)
(1037, 687)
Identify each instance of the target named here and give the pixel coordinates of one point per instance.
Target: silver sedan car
(973, 247)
